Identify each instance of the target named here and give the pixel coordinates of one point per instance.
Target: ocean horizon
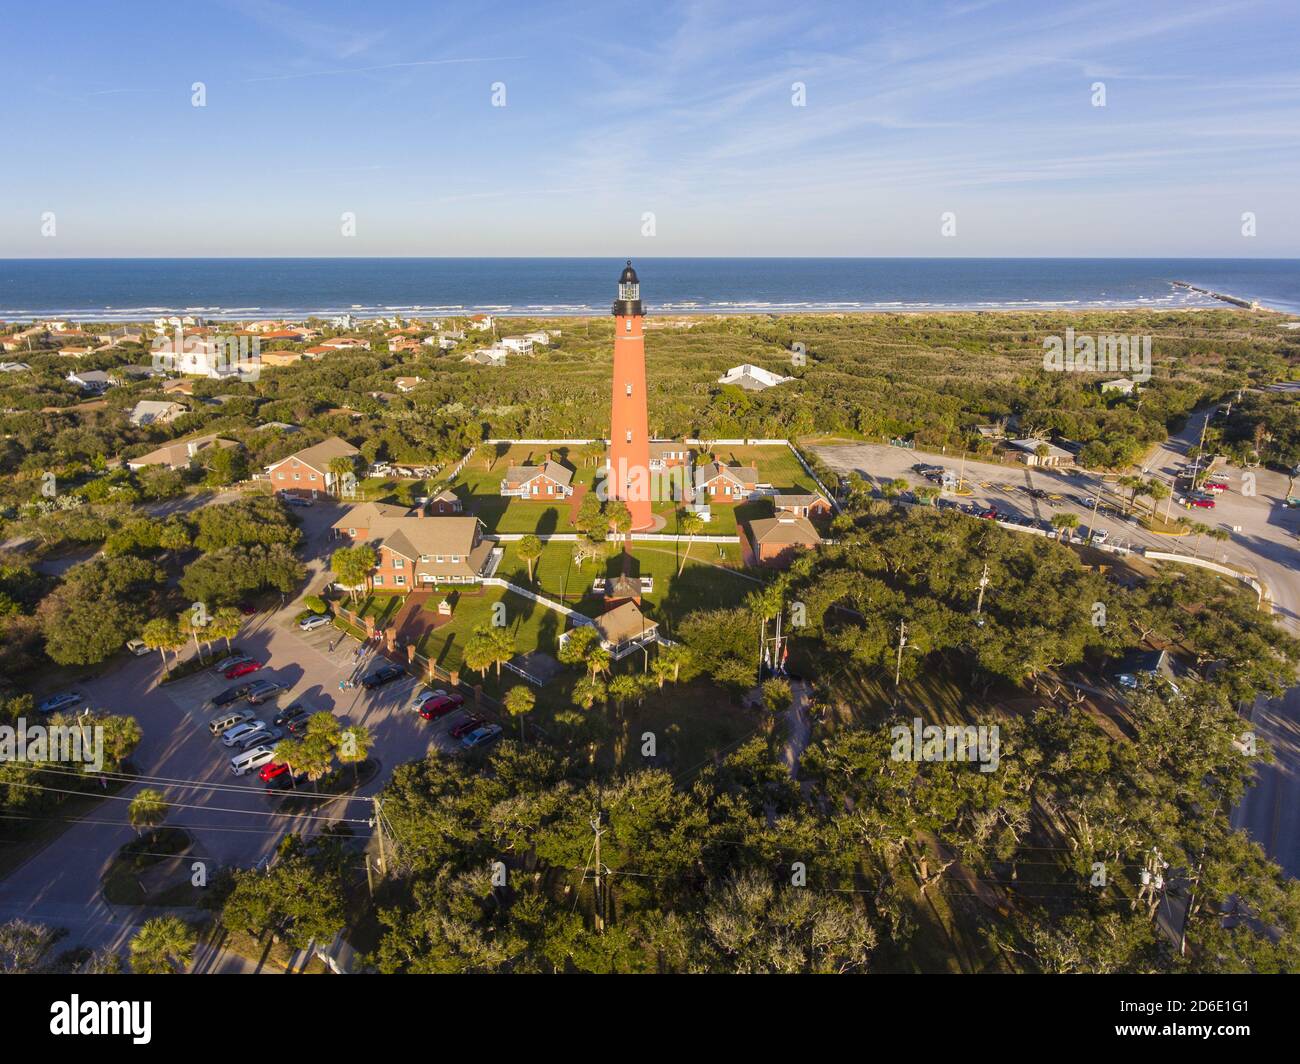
(129, 289)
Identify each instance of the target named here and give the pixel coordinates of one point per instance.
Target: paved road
(232, 820)
(1266, 546)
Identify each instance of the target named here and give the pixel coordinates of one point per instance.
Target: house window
(378, 580)
(352, 531)
(312, 478)
(438, 558)
(534, 489)
(297, 476)
(550, 489)
(454, 558)
(399, 563)
(280, 476)
(400, 580)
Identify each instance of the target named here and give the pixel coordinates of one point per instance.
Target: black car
(230, 694)
(286, 717)
(382, 675)
(297, 727)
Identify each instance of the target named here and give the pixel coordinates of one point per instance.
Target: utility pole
(600, 900)
(379, 830)
(984, 582)
(898, 668)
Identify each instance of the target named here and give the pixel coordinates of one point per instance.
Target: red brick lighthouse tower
(629, 449)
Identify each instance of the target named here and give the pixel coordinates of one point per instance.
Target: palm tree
(225, 624)
(621, 688)
(147, 810)
(188, 624)
(588, 691)
(519, 701)
(692, 525)
(341, 465)
(1157, 490)
(662, 668)
(162, 946)
(529, 550)
(162, 635)
(678, 654)
(354, 745)
(598, 659)
(1065, 522)
(1133, 484)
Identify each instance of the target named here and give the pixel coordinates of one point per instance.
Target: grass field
(712, 577)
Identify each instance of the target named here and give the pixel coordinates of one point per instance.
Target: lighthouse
(629, 432)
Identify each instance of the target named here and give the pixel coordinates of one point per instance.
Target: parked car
(248, 760)
(224, 721)
(242, 669)
(286, 716)
(426, 695)
(262, 690)
(1202, 502)
(298, 726)
(459, 731)
(55, 703)
(230, 661)
(295, 500)
(316, 620)
(263, 736)
(1100, 535)
(382, 675)
(435, 707)
(1215, 486)
(272, 769)
(234, 735)
(137, 647)
(229, 695)
(489, 733)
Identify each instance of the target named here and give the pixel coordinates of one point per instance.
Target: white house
(481, 322)
(520, 345)
(156, 412)
(752, 378)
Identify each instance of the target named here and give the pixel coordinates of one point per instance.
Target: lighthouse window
(629, 435)
(627, 325)
(629, 387)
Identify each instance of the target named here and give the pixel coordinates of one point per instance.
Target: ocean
(136, 289)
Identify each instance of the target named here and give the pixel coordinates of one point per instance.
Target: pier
(1236, 301)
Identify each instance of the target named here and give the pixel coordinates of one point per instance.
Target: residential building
(91, 380)
(488, 356)
(549, 481)
(752, 378)
(1121, 385)
(180, 454)
(307, 472)
(518, 344)
(345, 343)
(418, 552)
(406, 384)
(775, 541)
(445, 503)
(358, 523)
(716, 482)
(625, 629)
(281, 358)
(481, 322)
(812, 504)
(156, 412)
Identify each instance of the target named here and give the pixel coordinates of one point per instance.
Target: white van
(229, 719)
(251, 759)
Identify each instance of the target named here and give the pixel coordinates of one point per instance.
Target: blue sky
(978, 107)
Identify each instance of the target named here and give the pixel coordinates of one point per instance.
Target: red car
(440, 706)
(242, 669)
(1204, 504)
(272, 769)
(466, 726)
(1215, 486)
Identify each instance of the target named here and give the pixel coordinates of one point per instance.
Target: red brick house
(445, 503)
(716, 482)
(775, 541)
(545, 483)
(356, 525)
(802, 505)
(307, 472)
(419, 552)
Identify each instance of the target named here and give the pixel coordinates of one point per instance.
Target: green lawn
(712, 578)
(776, 465)
(532, 626)
(479, 488)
